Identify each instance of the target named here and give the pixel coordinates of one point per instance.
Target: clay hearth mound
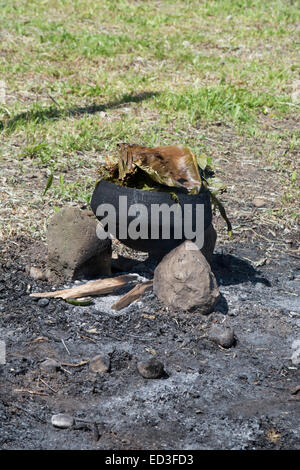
(74, 250)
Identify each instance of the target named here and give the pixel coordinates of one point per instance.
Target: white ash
(103, 303)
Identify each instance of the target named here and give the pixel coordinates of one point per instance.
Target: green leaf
(81, 302)
(217, 203)
(202, 160)
(215, 185)
(294, 176)
(49, 184)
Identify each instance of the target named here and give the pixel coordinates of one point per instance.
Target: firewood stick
(103, 286)
(132, 295)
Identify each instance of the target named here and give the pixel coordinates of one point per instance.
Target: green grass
(227, 102)
(82, 76)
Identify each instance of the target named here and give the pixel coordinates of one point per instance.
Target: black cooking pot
(109, 193)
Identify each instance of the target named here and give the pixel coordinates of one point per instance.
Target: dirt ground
(211, 398)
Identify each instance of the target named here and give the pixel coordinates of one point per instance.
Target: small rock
(50, 365)
(62, 421)
(99, 364)
(259, 202)
(37, 274)
(151, 369)
(296, 352)
(222, 335)
(43, 302)
(243, 297)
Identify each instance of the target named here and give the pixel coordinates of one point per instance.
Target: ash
(210, 397)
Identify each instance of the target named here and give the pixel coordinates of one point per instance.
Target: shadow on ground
(231, 270)
(55, 112)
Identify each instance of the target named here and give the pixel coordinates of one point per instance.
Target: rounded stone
(50, 365)
(151, 369)
(43, 302)
(62, 421)
(184, 280)
(222, 335)
(37, 274)
(99, 364)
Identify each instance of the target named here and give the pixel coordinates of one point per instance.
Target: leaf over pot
(173, 166)
(163, 168)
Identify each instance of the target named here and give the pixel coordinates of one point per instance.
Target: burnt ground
(211, 398)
